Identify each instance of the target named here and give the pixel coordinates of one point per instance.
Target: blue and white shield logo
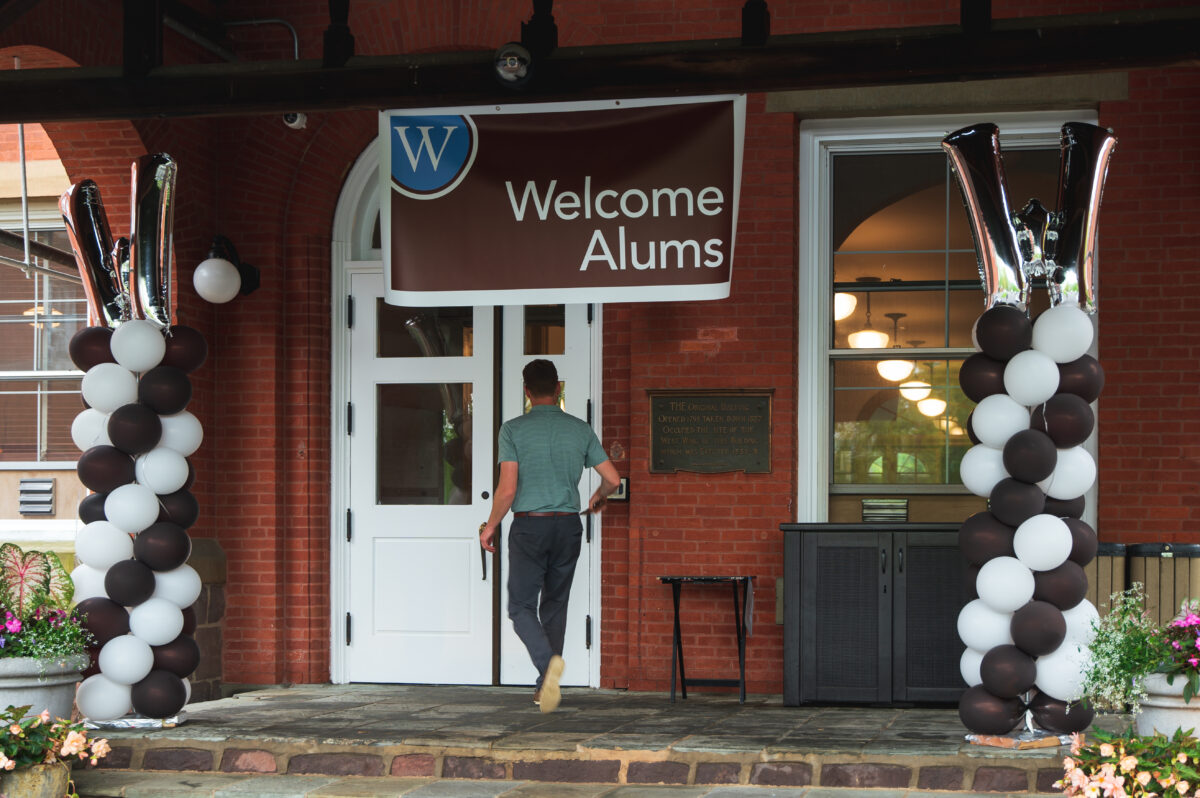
(431, 154)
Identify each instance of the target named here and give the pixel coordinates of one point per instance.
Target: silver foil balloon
(120, 257)
(1083, 166)
(1033, 231)
(92, 242)
(974, 153)
(150, 266)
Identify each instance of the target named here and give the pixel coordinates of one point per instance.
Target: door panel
(420, 598)
(562, 335)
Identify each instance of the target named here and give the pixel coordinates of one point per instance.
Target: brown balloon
(1084, 541)
(165, 390)
(971, 436)
(1083, 377)
(179, 507)
(186, 348)
(180, 656)
(105, 468)
(105, 618)
(981, 376)
(91, 347)
(982, 537)
(162, 546)
(1038, 628)
(1003, 331)
(91, 508)
(134, 428)
(1013, 502)
(1059, 716)
(1030, 455)
(1007, 671)
(970, 582)
(984, 713)
(93, 667)
(1064, 586)
(129, 582)
(1068, 419)
(189, 620)
(160, 695)
(1065, 508)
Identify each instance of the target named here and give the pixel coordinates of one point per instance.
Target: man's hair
(541, 378)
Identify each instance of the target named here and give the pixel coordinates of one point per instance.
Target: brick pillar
(209, 561)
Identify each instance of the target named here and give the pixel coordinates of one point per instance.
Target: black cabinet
(870, 613)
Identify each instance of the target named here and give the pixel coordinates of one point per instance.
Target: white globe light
(217, 280)
(1064, 333)
(932, 407)
(914, 390)
(895, 370)
(138, 345)
(843, 305)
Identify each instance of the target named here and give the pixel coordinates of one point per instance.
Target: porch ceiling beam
(1006, 48)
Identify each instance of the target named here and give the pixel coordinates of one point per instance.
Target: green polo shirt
(551, 448)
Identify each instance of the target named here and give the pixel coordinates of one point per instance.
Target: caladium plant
(32, 579)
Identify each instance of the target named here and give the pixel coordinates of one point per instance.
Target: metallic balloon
(1032, 223)
(91, 240)
(974, 152)
(150, 237)
(120, 260)
(1083, 166)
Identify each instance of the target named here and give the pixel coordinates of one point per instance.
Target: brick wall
(263, 397)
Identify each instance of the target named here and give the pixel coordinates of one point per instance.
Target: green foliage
(1124, 650)
(24, 580)
(1129, 765)
(35, 599)
(38, 739)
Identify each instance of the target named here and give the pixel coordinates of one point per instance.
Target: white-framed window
(886, 248)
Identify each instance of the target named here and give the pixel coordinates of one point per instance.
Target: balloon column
(1027, 632)
(133, 582)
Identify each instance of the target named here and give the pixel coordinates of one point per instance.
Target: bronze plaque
(710, 431)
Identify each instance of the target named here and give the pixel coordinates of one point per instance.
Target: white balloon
(1031, 377)
(131, 508)
(162, 470)
(1080, 620)
(100, 545)
(1060, 673)
(968, 666)
(181, 432)
(89, 581)
(217, 280)
(997, 418)
(1005, 584)
(1064, 333)
(181, 586)
(107, 386)
(100, 698)
(982, 628)
(981, 468)
(187, 690)
(138, 345)
(156, 620)
(1074, 473)
(90, 428)
(126, 659)
(1043, 542)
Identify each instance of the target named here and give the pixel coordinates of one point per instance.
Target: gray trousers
(541, 561)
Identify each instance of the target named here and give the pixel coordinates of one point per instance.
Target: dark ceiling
(977, 48)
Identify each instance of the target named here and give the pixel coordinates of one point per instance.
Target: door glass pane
(886, 433)
(424, 443)
(18, 421)
(61, 402)
(423, 332)
(545, 329)
(562, 399)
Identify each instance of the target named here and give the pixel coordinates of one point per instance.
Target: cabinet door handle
(900, 559)
(883, 561)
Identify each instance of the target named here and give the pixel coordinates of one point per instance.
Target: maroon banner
(629, 201)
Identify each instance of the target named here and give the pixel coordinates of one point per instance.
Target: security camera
(296, 121)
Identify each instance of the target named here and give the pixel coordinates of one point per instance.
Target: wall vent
(37, 496)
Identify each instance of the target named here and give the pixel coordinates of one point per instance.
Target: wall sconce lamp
(514, 61)
(756, 23)
(222, 275)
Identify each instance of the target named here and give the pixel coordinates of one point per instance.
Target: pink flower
(13, 625)
(1076, 742)
(1128, 764)
(100, 748)
(74, 743)
(6, 763)
(1107, 750)
(45, 716)
(14, 730)
(1182, 757)
(1194, 661)
(1143, 778)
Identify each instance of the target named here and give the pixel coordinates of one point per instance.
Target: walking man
(542, 454)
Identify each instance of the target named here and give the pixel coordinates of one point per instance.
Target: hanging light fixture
(932, 407)
(868, 337)
(843, 305)
(895, 370)
(915, 390)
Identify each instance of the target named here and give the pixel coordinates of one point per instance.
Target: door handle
(900, 560)
(483, 561)
(883, 561)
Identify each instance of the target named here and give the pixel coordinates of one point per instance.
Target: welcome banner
(615, 201)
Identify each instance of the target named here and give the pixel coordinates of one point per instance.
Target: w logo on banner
(431, 154)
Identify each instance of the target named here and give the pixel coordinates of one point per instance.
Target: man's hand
(487, 536)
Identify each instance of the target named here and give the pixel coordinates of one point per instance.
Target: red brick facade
(264, 396)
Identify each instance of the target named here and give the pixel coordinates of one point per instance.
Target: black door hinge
(589, 412)
(587, 633)
(349, 312)
(589, 526)
(349, 418)
(590, 308)
(347, 628)
(348, 525)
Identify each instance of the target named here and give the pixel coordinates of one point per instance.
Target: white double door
(428, 388)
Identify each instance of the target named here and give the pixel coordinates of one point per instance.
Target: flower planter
(42, 684)
(37, 781)
(1164, 709)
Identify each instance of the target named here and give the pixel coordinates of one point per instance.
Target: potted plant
(35, 752)
(43, 644)
(1131, 765)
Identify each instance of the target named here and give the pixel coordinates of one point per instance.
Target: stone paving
(390, 740)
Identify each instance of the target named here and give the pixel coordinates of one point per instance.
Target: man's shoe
(537, 696)
(550, 693)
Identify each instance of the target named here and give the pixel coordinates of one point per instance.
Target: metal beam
(1009, 48)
